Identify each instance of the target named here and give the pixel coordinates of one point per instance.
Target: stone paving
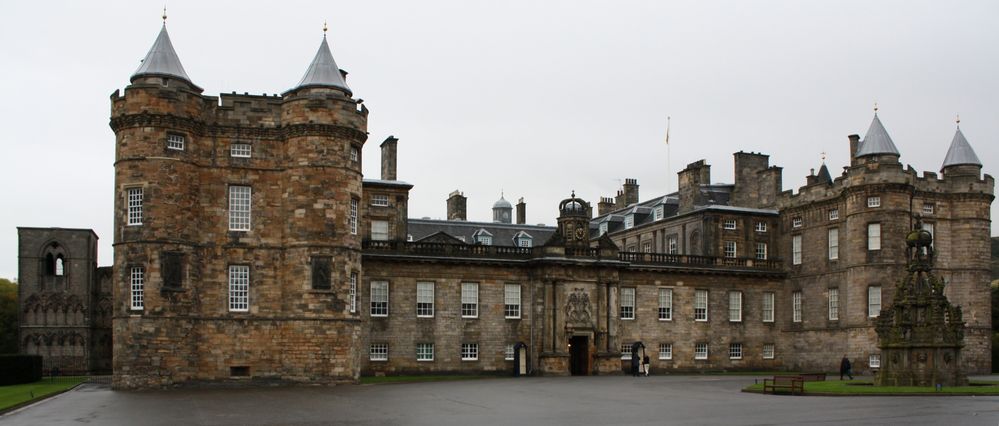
(606, 400)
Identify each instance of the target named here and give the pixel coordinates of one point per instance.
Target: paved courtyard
(614, 400)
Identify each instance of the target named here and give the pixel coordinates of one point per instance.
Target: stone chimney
(606, 205)
(456, 206)
(389, 158)
(630, 192)
(691, 178)
(521, 211)
(748, 166)
(854, 144)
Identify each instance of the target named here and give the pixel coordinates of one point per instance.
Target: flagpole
(669, 173)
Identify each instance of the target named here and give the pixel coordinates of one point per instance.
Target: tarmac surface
(606, 400)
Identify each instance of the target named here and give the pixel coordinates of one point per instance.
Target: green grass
(14, 395)
(860, 387)
(373, 380)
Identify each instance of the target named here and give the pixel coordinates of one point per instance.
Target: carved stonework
(577, 310)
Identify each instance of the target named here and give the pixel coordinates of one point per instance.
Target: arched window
(59, 266)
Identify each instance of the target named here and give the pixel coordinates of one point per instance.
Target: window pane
(379, 230)
(511, 301)
(833, 304)
(627, 303)
(665, 351)
(874, 236)
(352, 218)
(241, 150)
(134, 206)
(874, 301)
(700, 305)
(425, 299)
(379, 298)
(768, 307)
(239, 288)
(665, 304)
(796, 306)
(469, 300)
(239, 208)
(834, 244)
(735, 306)
(138, 284)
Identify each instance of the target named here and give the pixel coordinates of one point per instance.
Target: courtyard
(599, 400)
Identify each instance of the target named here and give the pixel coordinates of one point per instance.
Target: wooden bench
(792, 384)
(813, 377)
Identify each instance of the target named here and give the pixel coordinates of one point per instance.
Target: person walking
(845, 368)
(645, 366)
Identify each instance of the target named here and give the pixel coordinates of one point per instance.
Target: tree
(8, 316)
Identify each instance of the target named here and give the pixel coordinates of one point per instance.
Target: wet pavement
(620, 400)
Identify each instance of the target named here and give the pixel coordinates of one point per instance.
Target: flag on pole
(667, 130)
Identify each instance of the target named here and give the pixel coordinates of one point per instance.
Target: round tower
(502, 211)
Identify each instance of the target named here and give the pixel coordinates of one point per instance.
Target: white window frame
(701, 305)
(626, 351)
(833, 240)
(469, 300)
(874, 361)
(731, 249)
(353, 292)
(352, 217)
(239, 288)
(508, 352)
(485, 240)
(511, 301)
(665, 304)
(629, 221)
(137, 280)
(873, 236)
(768, 306)
(134, 198)
(378, 305)
(729, 224)
(761, 251)
(833, 304)
(627, 303)
(354, 154)
(469, 351)
(874, 301)
(761, 227)
(833, 214)
(424, 352)
(240, 207)
(378, 352)
(768, 350)
(665, 351)
(175, 141)
(647, 247)
(796, 249)
(874, 202)
(700, 351)
(796, 222)
(380, 200)
(735, 351)
(379, 230)
(735, 306)
(796, 306)
(673, 245)
(525, 242)
(602, 228)
(425, 299)
(658, 212)
(240, 150)
(928, 208)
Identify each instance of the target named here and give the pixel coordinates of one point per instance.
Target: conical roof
(876, 141)
(960, 152)
(824, 176)
(323, 71)
(162, 59)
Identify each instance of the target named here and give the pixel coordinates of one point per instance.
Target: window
(379, 298)
(379, 230)
(469, 351)
(629, 221)
(735, 350)
(409, 237)
(424, 299)
(138, 280)
(735, 306)
(796, 222)
(240, 150)
(873, 236)
(665, 304)
(352, 218)
(768, 351)
(378, 352)
(874, 301)
(134, 206)
(353, 292)
(658, 213)
(469, 300)
(928, 227)
(873, 202)
(175, 142)
(833, 214)
(239, 208)
(172, 269)
(729, 224)
(834, 304)
(525, 242)
(59, 267)
(424, 351)
(627, 303)
(665, 351)
(647, 247)
(485, 240)
(768, 306)
(796, 306)
(928, 208)
(239, 288)
(380, 200)
(672, 246)
(700, 305)
(796, 250)
(834, 244)
(508, 353)
(603, 228)
(355, 154)
(322, 268)
(700, 351)
(761, 251)
(626, 351)
(761, 227)
(729, 248)
(511, 301)
(874, 361)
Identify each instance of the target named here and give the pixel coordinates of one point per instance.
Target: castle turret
(574, 222)
(961, 159)
(877, 145)
(502, 211)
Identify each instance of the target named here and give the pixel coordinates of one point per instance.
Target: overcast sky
(532, 99)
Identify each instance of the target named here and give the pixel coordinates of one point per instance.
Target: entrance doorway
(579, 355)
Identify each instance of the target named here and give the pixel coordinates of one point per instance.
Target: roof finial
(823, 157)
(958, 120)
(573, 193)
(875, 107)
(164, 15)
(325, 28)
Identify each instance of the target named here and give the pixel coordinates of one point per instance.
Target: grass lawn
(14, 395)
(372, 380)
(859, 387)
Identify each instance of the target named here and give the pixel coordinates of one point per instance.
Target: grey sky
(533, 98)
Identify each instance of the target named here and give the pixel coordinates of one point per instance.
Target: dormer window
(175, 141)
(658, 212)
(483, 237)
(523, 239)
(603, 228)
(796, 222)
(873, 202)
(629, 221)
(729, 224)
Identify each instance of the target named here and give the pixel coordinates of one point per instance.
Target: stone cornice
(223, 130)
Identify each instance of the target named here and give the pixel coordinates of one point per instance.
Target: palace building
(250, 248)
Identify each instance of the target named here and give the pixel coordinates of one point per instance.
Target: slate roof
(960, 152)
(162, 59)
(503, 233)
(876, 141)
(824, 176)
(323, 71)
(717, 196)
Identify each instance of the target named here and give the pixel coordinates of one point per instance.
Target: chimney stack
(606, 205)
(389, 158)
(854, 146)
(691, 178)
(630, 192)
(521, 211)
(456, 206)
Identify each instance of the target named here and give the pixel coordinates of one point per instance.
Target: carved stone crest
(577, 310)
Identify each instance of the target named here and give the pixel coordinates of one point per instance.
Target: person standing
(845, 368)
(645, 366)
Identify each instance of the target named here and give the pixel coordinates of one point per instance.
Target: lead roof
(876, 141)
(323, 71)
(960, 152)
(162, 59)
